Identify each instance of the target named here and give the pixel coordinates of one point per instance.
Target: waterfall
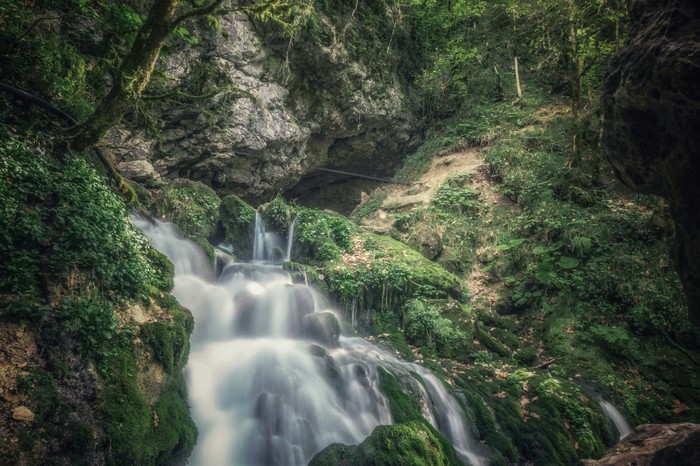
(290, 239)
(616, 418)
(270, 380)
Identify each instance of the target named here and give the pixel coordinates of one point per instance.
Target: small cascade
(268, 246)
(616, 418)
(270, 379)
(290, 239)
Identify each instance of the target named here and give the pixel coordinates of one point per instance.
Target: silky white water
(616, 418)
(269, 381)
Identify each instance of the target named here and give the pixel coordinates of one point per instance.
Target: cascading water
(270, 381)
(615, 417)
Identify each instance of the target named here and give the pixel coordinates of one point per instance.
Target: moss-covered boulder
(278, 215)
(379, 274)
(321, 236)
(238, 221)
(191, 205)
(410, 444)
(413, 441)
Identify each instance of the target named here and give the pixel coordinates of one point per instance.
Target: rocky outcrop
(289, 109)
(652, 121)
(654, 444)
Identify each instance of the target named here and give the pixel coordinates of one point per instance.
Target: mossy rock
(163, 268)
(410, 444)
(191, 205)
(140, 433)
(321, 237)
(278, 215)
(238, 220)
(169, 340)
(426, 240)
(381, 274)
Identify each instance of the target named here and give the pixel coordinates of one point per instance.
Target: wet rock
(654, 444)
(22, 414)
(652, 121)
(302, 300)
(322, 327)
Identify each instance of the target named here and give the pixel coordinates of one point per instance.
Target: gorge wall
(297, 105)
(652, 121)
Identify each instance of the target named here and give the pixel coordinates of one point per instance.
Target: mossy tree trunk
(135, 71)
(133, 76)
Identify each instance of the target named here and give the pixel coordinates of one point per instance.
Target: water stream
(269, 380)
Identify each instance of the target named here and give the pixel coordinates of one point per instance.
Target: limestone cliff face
(652, 121)
(297, 107)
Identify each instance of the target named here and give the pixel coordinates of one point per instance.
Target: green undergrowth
(380, 275)
(74, 272)
(588, 263)
(577, 285)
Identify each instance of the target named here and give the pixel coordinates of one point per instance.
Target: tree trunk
(133, 76)
(518, 90)
(575, 79)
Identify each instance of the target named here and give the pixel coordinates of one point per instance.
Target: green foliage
(322, 237)
(63, 220)
(452, 197)
(36, 57)
(191, 205)
(425, 326)
(373, 290)
(91, 321)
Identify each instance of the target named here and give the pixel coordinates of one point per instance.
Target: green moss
(321, 236)
(278, 215)
(377, 285)
(238, 221)
(207, 247)
(410, 444)
(191, 205)
(138, 433)
(169, 339)
(78, 438)
(490, 342)
(163, 268)
(526, 356)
